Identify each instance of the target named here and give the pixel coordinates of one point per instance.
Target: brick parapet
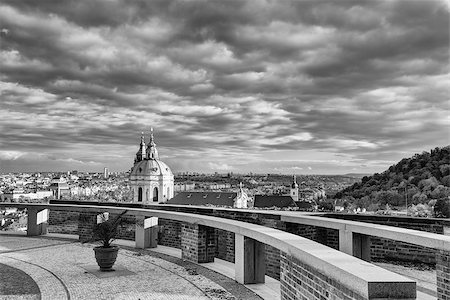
(86, 222)
(443, 274)
(299, 281)
(197, 243)
(169, 233)
(65, 222)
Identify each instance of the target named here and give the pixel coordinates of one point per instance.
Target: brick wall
(86, 222)
(169, 233)
(326, 236)
(301, 282)
(443, 274)
(225, 245)
(197, 243)
(63, 222)
(127, 229)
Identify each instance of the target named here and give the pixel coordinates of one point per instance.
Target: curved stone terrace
(56, 267)
(309, 270)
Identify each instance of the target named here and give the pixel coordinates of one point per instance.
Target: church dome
(151, 167)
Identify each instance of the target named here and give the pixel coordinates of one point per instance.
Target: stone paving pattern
(63, 269)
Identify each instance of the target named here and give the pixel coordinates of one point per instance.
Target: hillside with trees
(421, 179)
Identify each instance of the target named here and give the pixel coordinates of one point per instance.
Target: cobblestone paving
(61, 271)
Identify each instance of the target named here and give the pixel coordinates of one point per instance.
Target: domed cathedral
(151, 180)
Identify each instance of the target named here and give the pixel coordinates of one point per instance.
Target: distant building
(229, 199)
(204, 198)
(59, 187)
(19, 193)
(294, 189)
(242, 199)
(105, 173)
(151, 180)
(182, 187)
(280, 201)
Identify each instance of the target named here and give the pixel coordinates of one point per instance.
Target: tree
(442, 208)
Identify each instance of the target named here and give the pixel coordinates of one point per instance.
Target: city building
(59, 187)
(204, 198)
(151, 180)
(279, 201)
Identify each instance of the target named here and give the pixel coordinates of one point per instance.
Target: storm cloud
(245, 86)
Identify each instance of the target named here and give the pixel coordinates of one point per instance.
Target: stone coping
(350, 271)
(416, 237)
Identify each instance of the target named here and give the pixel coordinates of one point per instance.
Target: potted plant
(105, 233)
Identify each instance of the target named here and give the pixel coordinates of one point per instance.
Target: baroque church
(151, 180)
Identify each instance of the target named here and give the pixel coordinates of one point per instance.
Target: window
(155, 194)
(140, 194)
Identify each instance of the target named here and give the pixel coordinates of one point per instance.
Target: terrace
(267, 259)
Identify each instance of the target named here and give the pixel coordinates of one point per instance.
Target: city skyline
(292, 87)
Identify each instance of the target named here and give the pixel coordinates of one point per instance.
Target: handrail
(346, 269)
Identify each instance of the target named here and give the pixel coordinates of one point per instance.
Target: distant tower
(241, 199)
(140, 155)
(294, 189)
(151, 180)
(105, 173)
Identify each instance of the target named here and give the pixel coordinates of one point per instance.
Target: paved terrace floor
(55, 268)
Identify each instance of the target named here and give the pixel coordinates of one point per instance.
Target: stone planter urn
(106, 257)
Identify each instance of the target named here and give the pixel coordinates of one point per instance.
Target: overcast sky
(305, 87)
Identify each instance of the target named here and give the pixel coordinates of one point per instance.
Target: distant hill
(357, 175)
(419, 179)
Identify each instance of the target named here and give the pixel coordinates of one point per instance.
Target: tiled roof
(204, 198)
(304, 205)
(274, 200)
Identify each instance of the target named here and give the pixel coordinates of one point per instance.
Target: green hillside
(418, 179)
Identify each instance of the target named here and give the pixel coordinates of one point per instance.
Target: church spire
(140, 155)
(294, 189)
(152, 152)
(294, 182)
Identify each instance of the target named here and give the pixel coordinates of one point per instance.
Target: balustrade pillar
(146, 235)
(249, 260)
(361, 246)
(346, 241)
(37, 221)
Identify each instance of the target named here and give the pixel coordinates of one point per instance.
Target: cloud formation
(260, 86)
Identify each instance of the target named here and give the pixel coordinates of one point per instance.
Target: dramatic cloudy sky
(323, 87)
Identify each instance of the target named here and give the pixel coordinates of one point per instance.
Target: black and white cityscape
(324, 120)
